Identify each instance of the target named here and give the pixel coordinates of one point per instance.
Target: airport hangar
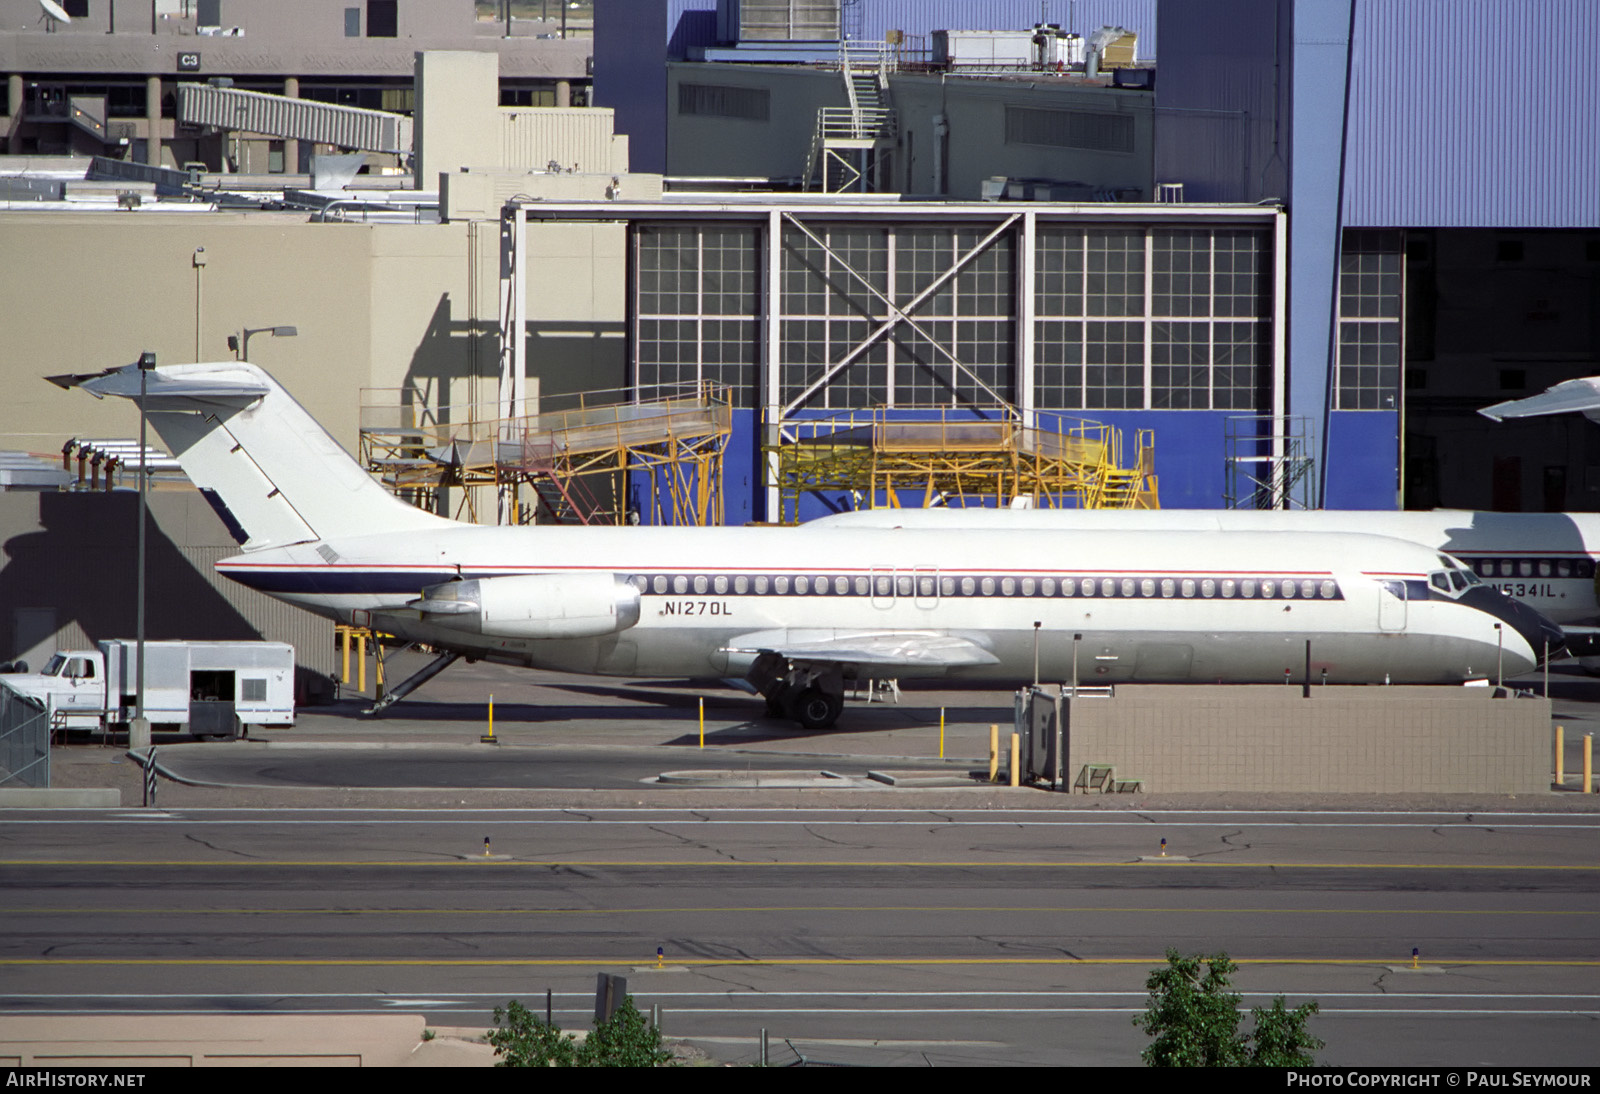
(620, 292)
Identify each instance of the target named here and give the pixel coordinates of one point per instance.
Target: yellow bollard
(1561, 759)
(488, 738)
(1588, 763)
(486, 847)
(361, 661)
(941, 733)
(702, 722)
(1016, 760)
(994, 753)
(344, 641)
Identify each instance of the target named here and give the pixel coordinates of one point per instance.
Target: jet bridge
(240, 111)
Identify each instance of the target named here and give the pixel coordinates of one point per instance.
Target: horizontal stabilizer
(162, 386)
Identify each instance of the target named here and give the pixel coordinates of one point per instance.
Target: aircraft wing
(909, 651)
(1582, 395)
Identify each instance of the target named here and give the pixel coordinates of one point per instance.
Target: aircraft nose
(1543, 637)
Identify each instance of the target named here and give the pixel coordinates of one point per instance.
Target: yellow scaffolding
(575, 460)
(952, 459)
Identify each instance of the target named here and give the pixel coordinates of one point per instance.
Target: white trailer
(992, 49)
(207, 689)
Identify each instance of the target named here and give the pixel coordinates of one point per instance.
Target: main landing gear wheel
(814, 708)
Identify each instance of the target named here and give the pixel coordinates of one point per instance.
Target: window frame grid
(1069, 383)
(737, 377)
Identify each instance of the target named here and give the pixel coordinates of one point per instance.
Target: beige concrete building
(377, 306)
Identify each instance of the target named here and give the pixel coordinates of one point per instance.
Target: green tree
(1280, 1038)
(623, 1040)
(1193, 1019)
(526, 1041)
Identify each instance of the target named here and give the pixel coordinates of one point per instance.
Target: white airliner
(801, 611)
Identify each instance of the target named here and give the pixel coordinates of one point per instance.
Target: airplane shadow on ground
(667, 702)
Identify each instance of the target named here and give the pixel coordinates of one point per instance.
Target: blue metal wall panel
(1220, 129)
(632, 43)
(1363, 452)
(1191, 453)
(1316, 78)
(691, 24)
(1475, 113)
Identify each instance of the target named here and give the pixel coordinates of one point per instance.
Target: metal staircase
(88, 113)
(848, 141)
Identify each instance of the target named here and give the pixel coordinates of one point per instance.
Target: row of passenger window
(927, 586)
(1533, 567)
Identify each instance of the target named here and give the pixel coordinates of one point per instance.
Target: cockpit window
(1458, 579)
(1407, 590)
(1439, 581)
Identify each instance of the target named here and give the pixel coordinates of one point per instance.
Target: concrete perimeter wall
(1433, 740)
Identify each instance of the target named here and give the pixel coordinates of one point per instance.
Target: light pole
(241, 344)
(139, 728)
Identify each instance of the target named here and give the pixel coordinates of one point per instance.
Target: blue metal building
(1420, 146)
(1439, 164)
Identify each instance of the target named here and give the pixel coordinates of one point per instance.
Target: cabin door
(1392, 606)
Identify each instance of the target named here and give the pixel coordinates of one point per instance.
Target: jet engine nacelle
(534, 605)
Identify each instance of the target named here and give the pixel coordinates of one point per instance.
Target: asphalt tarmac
(353, 865)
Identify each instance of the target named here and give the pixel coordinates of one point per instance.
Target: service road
(861, 935)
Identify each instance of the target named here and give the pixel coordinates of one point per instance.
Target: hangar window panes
(920, 314)
(1194, 314)
(696, 307)
(1371, 287)
(842, 284)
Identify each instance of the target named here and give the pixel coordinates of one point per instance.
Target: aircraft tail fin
(272, 472)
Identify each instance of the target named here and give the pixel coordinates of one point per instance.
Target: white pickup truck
(207, 689)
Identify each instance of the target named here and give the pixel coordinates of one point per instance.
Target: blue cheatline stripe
(329, 581)
(336, 581)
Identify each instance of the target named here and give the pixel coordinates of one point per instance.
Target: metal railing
(848, 123)
(24, 740)
(961, 456)
(678, 438)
